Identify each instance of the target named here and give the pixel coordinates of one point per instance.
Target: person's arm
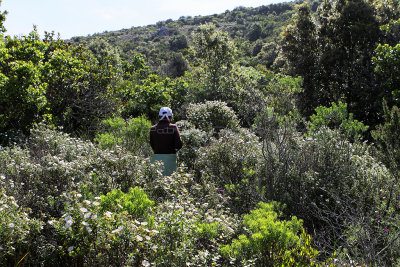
(152, 138)
(177, 139)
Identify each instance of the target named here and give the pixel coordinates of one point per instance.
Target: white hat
(165, 112)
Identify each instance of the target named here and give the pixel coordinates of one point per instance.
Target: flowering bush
(231, 161)
(193, 139)
(192, 221)
(54, 163)
(18, 231)
(97, 233)
(212, 116)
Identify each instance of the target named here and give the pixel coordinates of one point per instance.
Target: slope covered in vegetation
(291, 141)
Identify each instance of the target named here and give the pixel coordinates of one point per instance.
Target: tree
(2, 19)
(216, 51)
(299, 46)
(51, 79)
(334, 56)
(254, 32)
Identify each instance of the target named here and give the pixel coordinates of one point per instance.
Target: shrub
(336, 191)
(54, 163)
(191, 220)
(336, 117)
(231, 162)
(269, 241)
(212, 116)
(90, 234)
(132, 135)
(135, 202)
(193, 139)
(18, 232)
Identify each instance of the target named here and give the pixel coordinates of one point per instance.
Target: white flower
(68, 218)
(145, 263)
(11, 225)
(117, 230)
(68, 224)
(83, 210)
(78, 195)
(89, 229)
(51, 222)
(70, 248)
(87, 202)
(96, 203)
(94, 217)
(87, 215)
(108, 214)
(139, 238)
(85, 223)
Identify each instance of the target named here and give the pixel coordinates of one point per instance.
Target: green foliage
(336, 117)
(49, 79)
(386, 137)
(193, 139)
(132, 135)
(282, 92)
(145, 97)
(2, 19)
(89, 234)
(216, 51)
(230, 162)
(135, 202)
(54, 163)
(271, 242)
(332, 52)
(212, 116)
(22, 93)
(386, 62)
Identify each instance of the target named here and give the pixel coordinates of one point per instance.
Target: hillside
(255, 31)
(285, 127)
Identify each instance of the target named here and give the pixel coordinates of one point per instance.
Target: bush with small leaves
(18, 231)
(193, 139)
(270, 241)
(231, 162)
(336, 117)
(132, 135)
(191, 219)
(91, 234)
(54, 163)
(212, 116)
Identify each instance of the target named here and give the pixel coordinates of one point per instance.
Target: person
(165, 140)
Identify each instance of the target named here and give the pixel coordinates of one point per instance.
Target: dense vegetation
(291, 127)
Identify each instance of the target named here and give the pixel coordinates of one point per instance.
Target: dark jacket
(165, 138)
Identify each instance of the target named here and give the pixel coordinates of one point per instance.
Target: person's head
(165, 114)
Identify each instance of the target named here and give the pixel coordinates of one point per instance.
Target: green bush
(90, 234)
(132, 135)
(135, 202)
(212, 116)
(54, 163)
(231, 162)
(269, 241)
(336, 186)
(193, 139)
(337, 117)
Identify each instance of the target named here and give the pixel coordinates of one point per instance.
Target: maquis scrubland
(291, 140)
